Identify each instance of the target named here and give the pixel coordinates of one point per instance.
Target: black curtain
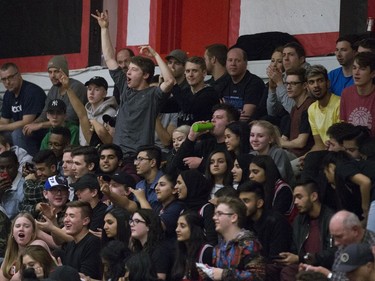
(40, 27)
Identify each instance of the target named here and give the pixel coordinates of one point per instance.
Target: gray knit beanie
(59, 62)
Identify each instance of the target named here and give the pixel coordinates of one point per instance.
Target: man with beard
(342, 76)
(45, 166)
(325, 111)
(272, 229)
(56, 66)
(216, 59)
(176, 60)
(312, 242)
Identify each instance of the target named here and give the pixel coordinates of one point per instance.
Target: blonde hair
(12, 251)
(272, 130)
(184, 129)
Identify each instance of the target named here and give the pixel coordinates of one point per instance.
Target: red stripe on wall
(318, 44)
(234, 22)
(122, 24)
(153, 31)
(75, 61)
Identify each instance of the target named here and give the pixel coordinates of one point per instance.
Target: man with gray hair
(57, 66)
(346, 229)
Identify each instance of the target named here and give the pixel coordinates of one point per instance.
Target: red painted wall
(204, 23)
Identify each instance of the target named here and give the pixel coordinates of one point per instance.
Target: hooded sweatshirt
(108, 106)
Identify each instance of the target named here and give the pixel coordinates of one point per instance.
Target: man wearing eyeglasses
(147, 165)
(23, 102)
(293, 57)
(297, 139)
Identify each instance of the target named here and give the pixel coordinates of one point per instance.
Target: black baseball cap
(121, 178)
(98, 81)
(86, 181)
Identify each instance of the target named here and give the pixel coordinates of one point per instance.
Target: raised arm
(165, 72)
(107, 48)
(78, 107)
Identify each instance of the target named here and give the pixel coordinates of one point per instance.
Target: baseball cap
(109, 119)
(121, 178)
(56, 105)
(55, 181)
(64, 273)
(98, 81)
(179, 55)
(354, 256)
(86, 181)
(59, 62)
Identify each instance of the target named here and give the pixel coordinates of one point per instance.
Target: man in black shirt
(83, 253)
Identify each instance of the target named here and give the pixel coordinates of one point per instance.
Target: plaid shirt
(33, 194)
(368, 238)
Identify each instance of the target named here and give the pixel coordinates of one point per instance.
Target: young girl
(193, 189)
(240, 170)
(166, 194)
(218, 170)
(23, 233)
(237, 138)
(116, 226)
(179, 135)
(39, 259)
(264, 139)
(278, 194)
(147, 236)
(191, 247)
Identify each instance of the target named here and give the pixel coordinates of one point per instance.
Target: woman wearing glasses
(237, 256)
(147, 236)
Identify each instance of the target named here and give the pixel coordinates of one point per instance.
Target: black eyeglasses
(140, 159)
(292, 83)
(136, 221)
(9, 78)
(219, 214)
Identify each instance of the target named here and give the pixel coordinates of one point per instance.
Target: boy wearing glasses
(147, 165)
(56, 192)
(23, 102)
(237, 256)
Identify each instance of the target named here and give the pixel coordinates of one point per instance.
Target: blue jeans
(30, 143)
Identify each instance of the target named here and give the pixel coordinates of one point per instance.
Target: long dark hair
(114, 255)
(242, 130)
(155, 233)
(228, 177)
(140, 268)
(244, 161)
(346, 195)
(272, 175)
(188, 251)
(123, 230)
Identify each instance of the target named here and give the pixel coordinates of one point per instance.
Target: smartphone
(29, 166)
